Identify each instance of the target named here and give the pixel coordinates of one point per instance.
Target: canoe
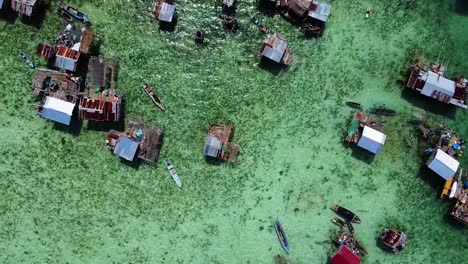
(361, 248)
(153, 97)
(382, 110)
(281, 236)
(350, 227)
(354, 105)
(26, 59)
(346, 214)
(257, 23)
(173, 173)
(69, 12)
(338, 222)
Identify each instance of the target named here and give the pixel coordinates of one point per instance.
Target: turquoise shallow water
(65, 198)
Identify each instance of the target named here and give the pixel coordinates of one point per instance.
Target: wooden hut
(164, 10)
(366, 132)
(24, 7)
(72, 41)
(460, 210)
(218, 143)
(430, 81)
(393, 240)
(275, 48)
(138, 140)
(57, 93)
(311, 16)
(103, 102)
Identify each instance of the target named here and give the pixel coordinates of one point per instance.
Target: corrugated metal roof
(126, 148)
(322, 11)
(166, 12)
(345, 256)
(372, 140)
(434, 82)
(212, 147)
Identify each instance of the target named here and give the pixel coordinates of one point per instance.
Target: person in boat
(368, 12)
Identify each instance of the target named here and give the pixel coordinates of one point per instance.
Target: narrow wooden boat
(69, 12)
(173, 173)
(361, 249)
(153, 97)
(345, 214)
(259, 25)
(26, 59)
(382, 110)
(350, 227)
(281, 236)
(337, 221)
(354, 105)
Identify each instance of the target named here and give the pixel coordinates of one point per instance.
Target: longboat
(27, 60)
(393, 240)
(153, 97)
(382, 110)
(68, 12)
(361, 248)
(350, 226)
(173, 173)
(345, 214)
(259, 25)
(337, 221)
(281, 236)
(354, 105)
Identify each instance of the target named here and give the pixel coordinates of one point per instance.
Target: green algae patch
(66, 198)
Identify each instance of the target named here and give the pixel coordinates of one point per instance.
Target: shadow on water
(213, 161)
(267, 7)
(428, 104)
(271, 66)
(134, 164)
(168, 26)
(74, 128)
(362, 155)
(7, 14)
(37, 18)
(427, 175)
(461, 7)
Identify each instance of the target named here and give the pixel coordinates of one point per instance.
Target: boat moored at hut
(102, 102)
(139, 140)
(218, 143)
(58, 93)
(366, 132)
(430, 81)
(275, 48)
(164, 10)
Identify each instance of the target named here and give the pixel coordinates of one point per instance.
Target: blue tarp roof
(56, 116)
(126, 148)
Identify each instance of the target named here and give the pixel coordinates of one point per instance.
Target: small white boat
(173, 173)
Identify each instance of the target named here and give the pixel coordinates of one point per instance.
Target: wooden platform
(101, 73)
(151, 143)
(63, 88)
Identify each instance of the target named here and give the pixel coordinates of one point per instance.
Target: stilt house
(138, 140)
(366, 130)
(164, 10)
(23, 7)
(275, 48)
(218, 143)
(57, 94)
(103, 102)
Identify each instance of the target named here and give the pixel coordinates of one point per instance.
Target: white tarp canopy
(434, 82)
(443, 164)
(58, 110)
(372, 140)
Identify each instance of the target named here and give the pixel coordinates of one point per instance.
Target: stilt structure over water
(218, 143)
(58, 94)
(430, 81)
(366, 132)
(164, 10)
(139, 140)
(275, 48)
(311, 16)
(103, 102)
